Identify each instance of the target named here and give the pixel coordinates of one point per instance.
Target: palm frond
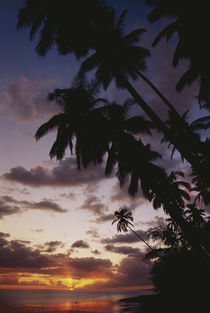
(50, 125)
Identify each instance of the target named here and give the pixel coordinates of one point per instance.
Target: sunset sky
(55, 221)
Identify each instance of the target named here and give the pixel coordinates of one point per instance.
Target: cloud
(103, 218)
(64, 174)
(9, 206)
(123, 250)
(18, 261)
(80, 244)
(52, 246)
(16, 255)
(96, 252)
(93, 233)
(124, 238)
(90, 268)
(6, 209)
(26, 100)
(132, 271)
(94, 205)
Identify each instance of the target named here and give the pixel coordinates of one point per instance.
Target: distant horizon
(143, 288)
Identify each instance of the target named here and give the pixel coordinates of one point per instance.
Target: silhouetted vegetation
(98, 130)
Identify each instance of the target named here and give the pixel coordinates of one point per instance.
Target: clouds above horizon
(63, 174)
(10, 206)
(124, 238)
(26, 100)
(18, 260)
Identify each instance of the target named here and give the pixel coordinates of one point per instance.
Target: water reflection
(98, 306)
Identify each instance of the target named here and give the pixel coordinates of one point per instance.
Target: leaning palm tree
(118, 57)
(57, 25)
(123, 218)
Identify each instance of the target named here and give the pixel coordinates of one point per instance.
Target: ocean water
(59, 301)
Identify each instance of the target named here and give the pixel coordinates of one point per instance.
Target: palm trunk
(165, 100)
(160, 124)
(140, 238)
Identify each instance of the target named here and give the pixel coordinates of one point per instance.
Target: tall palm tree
(118, 57)
(192, 44)
(123, 218)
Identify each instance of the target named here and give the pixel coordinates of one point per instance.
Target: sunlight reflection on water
(65, 302)
(75, 307)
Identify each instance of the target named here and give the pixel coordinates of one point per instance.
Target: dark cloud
(90, 268)
(52, 246)
(80, 244)
(93, 233)
(16, 255)
(69, 195)
(103, 218)
(157, 221)
(9, 206)
(94, 205)
(124, 238)
(132, 271)
(4, 235)
(123, 250)
(64, 174)
(26, 100)
(6, 209)
(96, 252)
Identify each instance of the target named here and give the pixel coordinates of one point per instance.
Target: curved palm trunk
(140, 238)
(159, 123)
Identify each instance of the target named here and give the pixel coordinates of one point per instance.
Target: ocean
(59, 301)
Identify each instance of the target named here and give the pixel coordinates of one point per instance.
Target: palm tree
(189, 46)
(123, 218)
(80, 122)
(69, 24)
(116, 56)
(188, 134)
(58, 24)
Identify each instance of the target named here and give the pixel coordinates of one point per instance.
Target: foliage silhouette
(189, 19)
(175, 269)
(68, 24)
(99, 129)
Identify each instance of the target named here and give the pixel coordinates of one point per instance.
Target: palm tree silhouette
(118, 57)
(184, 15)
(77, 125)
(123, 218)
(68, 24)
(188, 134)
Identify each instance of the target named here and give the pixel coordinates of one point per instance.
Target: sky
(55, 221)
